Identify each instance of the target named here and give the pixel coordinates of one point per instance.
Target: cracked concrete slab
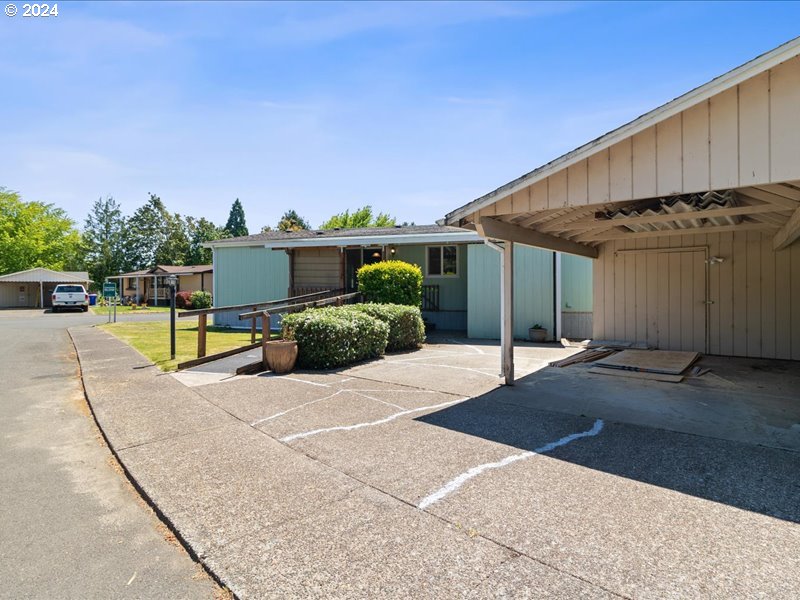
(366, 545)
(221, 484)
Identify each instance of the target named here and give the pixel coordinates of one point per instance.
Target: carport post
(507, 311)
(41, 293)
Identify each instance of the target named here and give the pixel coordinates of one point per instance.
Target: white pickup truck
(70, 296)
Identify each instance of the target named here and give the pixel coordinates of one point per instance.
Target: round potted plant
(281, 355)
(537, 333)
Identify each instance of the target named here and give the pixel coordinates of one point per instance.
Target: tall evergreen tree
(104, 239)
(236, 225)
(291, 221)
(148, 230)
(175, 249)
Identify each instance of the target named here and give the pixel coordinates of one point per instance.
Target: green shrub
(391, 282)
(201, 299)
(336, 336)
(406, 329)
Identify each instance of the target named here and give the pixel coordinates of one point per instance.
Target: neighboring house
(461, 274)
(34, 288)
(691, 213)
(150, 286)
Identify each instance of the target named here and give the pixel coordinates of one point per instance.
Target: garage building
(691, 213)
(34, 288)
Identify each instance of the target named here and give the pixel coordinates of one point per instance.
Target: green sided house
(460, 289)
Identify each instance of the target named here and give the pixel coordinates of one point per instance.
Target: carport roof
(42, 275)
(717, 85)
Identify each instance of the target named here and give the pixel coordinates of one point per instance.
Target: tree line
(37, 234)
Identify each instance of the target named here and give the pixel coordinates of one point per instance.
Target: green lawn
(151, 338)
(104, 310)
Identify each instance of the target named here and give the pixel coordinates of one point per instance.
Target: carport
(691, 213)
(33, 288)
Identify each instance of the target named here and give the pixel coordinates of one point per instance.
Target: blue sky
(413, 108)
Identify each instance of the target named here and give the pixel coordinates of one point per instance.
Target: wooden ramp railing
(258, 310)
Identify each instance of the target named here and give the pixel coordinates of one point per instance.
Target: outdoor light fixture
(172, 281)
(392, 250)
(376, 254)
(715, 260)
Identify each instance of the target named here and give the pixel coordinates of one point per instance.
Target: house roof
(169, 269)
(184, 270)
(41, 274)
(700, 94)
(407, 234)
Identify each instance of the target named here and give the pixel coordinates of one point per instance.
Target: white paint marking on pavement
(492, 375)
(384, 402)
(305, 434)
(456, 483)
(304, 381)
(427, 357)
(299, 406)
(130, 581)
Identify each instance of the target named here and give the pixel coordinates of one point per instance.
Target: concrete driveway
(71, 526)
(415, 476)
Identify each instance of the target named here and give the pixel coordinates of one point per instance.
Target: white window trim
(456, 275)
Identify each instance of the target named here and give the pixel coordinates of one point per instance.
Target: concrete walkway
(390, 479)
(71, 526)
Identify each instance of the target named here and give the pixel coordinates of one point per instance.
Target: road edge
(145, 497)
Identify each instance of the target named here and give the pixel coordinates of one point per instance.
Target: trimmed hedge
(333, 337)
(391, 282)
(406, 328)
(201, 299)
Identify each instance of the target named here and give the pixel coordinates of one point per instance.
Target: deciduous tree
(291, 221)
(35, 234)
(362, 217)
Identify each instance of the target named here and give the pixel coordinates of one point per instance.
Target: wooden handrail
(258, 313)
(268, 304)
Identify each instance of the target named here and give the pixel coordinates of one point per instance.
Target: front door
(355, 258)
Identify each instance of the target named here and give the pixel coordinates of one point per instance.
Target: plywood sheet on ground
(637, 374)
(652, 361)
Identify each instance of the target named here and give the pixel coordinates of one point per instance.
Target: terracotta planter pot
(537, 335)
(281, 355)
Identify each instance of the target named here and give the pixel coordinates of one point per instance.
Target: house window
(443, 261)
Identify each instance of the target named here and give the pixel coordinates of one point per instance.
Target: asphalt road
(71, 526)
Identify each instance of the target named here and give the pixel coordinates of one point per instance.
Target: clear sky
(413, 108)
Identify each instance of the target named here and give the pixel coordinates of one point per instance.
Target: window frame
(441, 248)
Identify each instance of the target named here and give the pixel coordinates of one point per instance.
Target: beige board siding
(19, 295)
(316, 267)
(189, 283)
(656, 292)
(747, 135)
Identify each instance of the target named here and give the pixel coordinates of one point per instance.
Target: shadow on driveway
(745, 476)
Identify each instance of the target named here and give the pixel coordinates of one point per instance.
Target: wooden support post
(264, 338)
(201, 335)
(507, 311)
(253, 328)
